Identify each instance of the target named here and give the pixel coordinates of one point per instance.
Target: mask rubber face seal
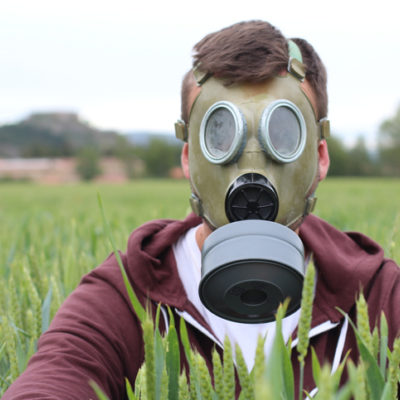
(249, 268)
(251, 196)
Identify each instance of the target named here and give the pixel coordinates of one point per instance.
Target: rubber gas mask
(253, 160)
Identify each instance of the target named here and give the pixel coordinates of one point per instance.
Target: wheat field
(51, 235)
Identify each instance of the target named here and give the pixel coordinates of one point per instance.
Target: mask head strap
(295, 64)
(199, 75)
(181, 129)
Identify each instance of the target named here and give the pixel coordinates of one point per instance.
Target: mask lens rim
(239, 135)
(264, 134)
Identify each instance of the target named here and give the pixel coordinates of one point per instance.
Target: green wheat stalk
(325, 391)
(375, 342)
(229, 373)
(15, 304)
(305, 321)
(140, 383)
(218, 374)
(35, 301)
(57, 299)
(11, 346)
(363, 325)
(164, 384)
(183, 387)
(246, 382)
(394, 363)
(357, 375)
(205, 381)
(259, 368)
(31, 324)
(149, 351)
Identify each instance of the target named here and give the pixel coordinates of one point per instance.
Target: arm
(94, 336)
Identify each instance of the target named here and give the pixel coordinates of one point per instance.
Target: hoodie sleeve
(95, 336)
(386, 291)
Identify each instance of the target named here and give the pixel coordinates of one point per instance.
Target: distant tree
(159, 156)
(360, 160)
(88, 163)
(125, 151)
(339, 157)
(389, 145)
(354, 161)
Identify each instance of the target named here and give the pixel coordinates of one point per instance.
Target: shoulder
(383, 295)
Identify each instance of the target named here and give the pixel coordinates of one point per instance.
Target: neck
(201, 234)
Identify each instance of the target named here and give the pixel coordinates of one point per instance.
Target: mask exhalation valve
(251, 196)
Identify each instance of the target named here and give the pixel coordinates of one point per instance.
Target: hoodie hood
(339, 257)
(346, 263)
(151, 264)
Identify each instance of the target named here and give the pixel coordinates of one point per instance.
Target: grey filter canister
(250, 267)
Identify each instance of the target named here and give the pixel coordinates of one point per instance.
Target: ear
(323, 159)
(185, 160)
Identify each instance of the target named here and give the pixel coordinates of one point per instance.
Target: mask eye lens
(283, 131)
(219, 132)
(222, 133)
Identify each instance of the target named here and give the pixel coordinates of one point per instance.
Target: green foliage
(159, 156)
(56, 233)
(338, 156)
(305, 320)
(270, 381)
(88, 166)
(51, 237)
(389, 145)
(125, 151)
(274, 380)
(353, 161)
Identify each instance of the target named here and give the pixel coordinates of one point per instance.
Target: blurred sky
(119, 63)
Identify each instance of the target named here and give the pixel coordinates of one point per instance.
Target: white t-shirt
(188, 260)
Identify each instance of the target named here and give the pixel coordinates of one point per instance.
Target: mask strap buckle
(310, 205)
(181, 130)
(325, 128)
(196, 205)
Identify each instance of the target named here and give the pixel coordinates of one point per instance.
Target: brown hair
(253, 51)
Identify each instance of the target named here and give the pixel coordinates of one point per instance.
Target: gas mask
(253, 160)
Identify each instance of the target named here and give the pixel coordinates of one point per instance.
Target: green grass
(370, 206)
(51, 235)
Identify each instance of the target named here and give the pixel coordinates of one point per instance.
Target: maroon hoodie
(96, 335)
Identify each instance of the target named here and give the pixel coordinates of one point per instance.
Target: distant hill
(63, 134)
(143, 139)
(52, 135)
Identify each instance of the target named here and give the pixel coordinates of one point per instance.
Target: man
(253, 111)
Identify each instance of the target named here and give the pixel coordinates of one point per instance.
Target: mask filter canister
(248, 268)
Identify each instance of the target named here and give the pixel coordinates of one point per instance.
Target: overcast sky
(119, 63)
